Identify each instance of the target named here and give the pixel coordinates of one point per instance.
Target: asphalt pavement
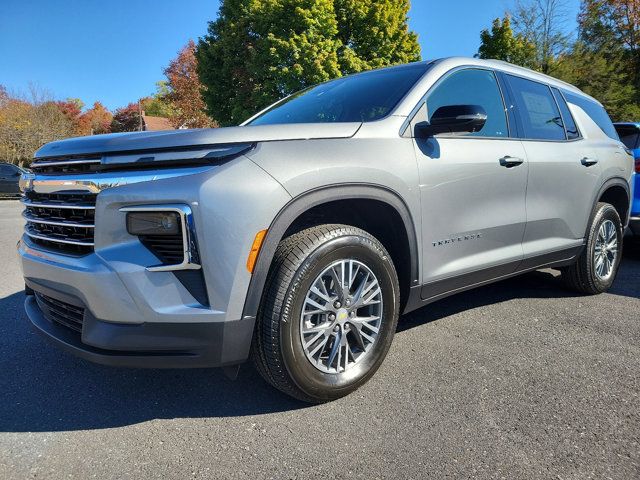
(520, 379)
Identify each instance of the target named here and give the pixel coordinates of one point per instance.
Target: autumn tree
(184, 91)
(502, 44)
(28, 123)
(258, 51)
(71, 108)
(96, 120)
(127, 119)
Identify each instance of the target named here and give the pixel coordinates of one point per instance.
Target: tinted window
(596, 111)
(7, 170)
(472, 87)
(630, 136)
(358, 98)
(567, 118)
(541, 119)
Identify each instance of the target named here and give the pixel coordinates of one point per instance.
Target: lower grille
(60, 312)
(61, 221)
(168, 248)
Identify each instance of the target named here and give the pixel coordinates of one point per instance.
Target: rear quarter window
(596, 111)
(569, 124)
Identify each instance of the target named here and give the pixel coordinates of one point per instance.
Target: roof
(627, 124)
(156, 123)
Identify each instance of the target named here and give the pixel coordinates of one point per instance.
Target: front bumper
(140, 318)
(148, 345)
(166, 344)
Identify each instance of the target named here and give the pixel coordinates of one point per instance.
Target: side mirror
(17, 174)
(453, 119)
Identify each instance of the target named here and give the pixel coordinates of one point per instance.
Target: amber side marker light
(255, 250)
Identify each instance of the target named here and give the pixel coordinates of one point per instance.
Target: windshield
(364, 97)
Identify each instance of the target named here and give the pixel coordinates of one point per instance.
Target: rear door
(563, 170)
(472, 188)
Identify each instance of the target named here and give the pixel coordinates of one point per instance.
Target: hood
(167, 139)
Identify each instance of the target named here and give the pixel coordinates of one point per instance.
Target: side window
(541, 119)
(629, 135)
(6, 170)
(596, 111)
(567, 118)
(472, 87)
(631, 140)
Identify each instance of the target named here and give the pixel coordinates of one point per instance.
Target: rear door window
(538, 111)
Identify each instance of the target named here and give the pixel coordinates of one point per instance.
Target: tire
(584, 276)
(300, 262)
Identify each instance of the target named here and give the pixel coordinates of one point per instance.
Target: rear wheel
(596, 268)
(329, 313)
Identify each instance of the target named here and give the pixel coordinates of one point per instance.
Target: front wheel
(329, 313)
(596, 268)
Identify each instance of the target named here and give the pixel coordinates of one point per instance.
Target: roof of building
(156, 123)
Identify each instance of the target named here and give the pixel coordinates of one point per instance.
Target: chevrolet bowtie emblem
(26, 181)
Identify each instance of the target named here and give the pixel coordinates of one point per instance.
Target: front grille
(63, 313)
(66, 165)
(63, 222)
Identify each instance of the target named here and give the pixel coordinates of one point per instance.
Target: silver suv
(299, 237)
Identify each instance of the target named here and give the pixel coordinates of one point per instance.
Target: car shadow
(44, 389)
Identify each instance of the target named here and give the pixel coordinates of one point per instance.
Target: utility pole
(140, 115)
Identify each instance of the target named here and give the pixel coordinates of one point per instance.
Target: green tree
(601, 76)
(374, 34)
(157, 105)
(257, 51)
(613, 28)
(501, 44)
(605, 61)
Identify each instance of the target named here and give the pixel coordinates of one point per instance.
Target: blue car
(630, 135)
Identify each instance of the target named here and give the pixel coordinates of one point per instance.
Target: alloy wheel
(606, 250)
(341, 316)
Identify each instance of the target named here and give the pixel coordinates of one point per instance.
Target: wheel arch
(616, 192)
(306, 202)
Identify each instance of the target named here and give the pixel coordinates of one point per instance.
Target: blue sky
(115, 51)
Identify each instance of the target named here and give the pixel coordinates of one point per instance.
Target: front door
(472, 189)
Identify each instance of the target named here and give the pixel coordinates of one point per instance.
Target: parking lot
(520, 379)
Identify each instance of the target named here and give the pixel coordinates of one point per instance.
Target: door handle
(510, 161)
(587, 162)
